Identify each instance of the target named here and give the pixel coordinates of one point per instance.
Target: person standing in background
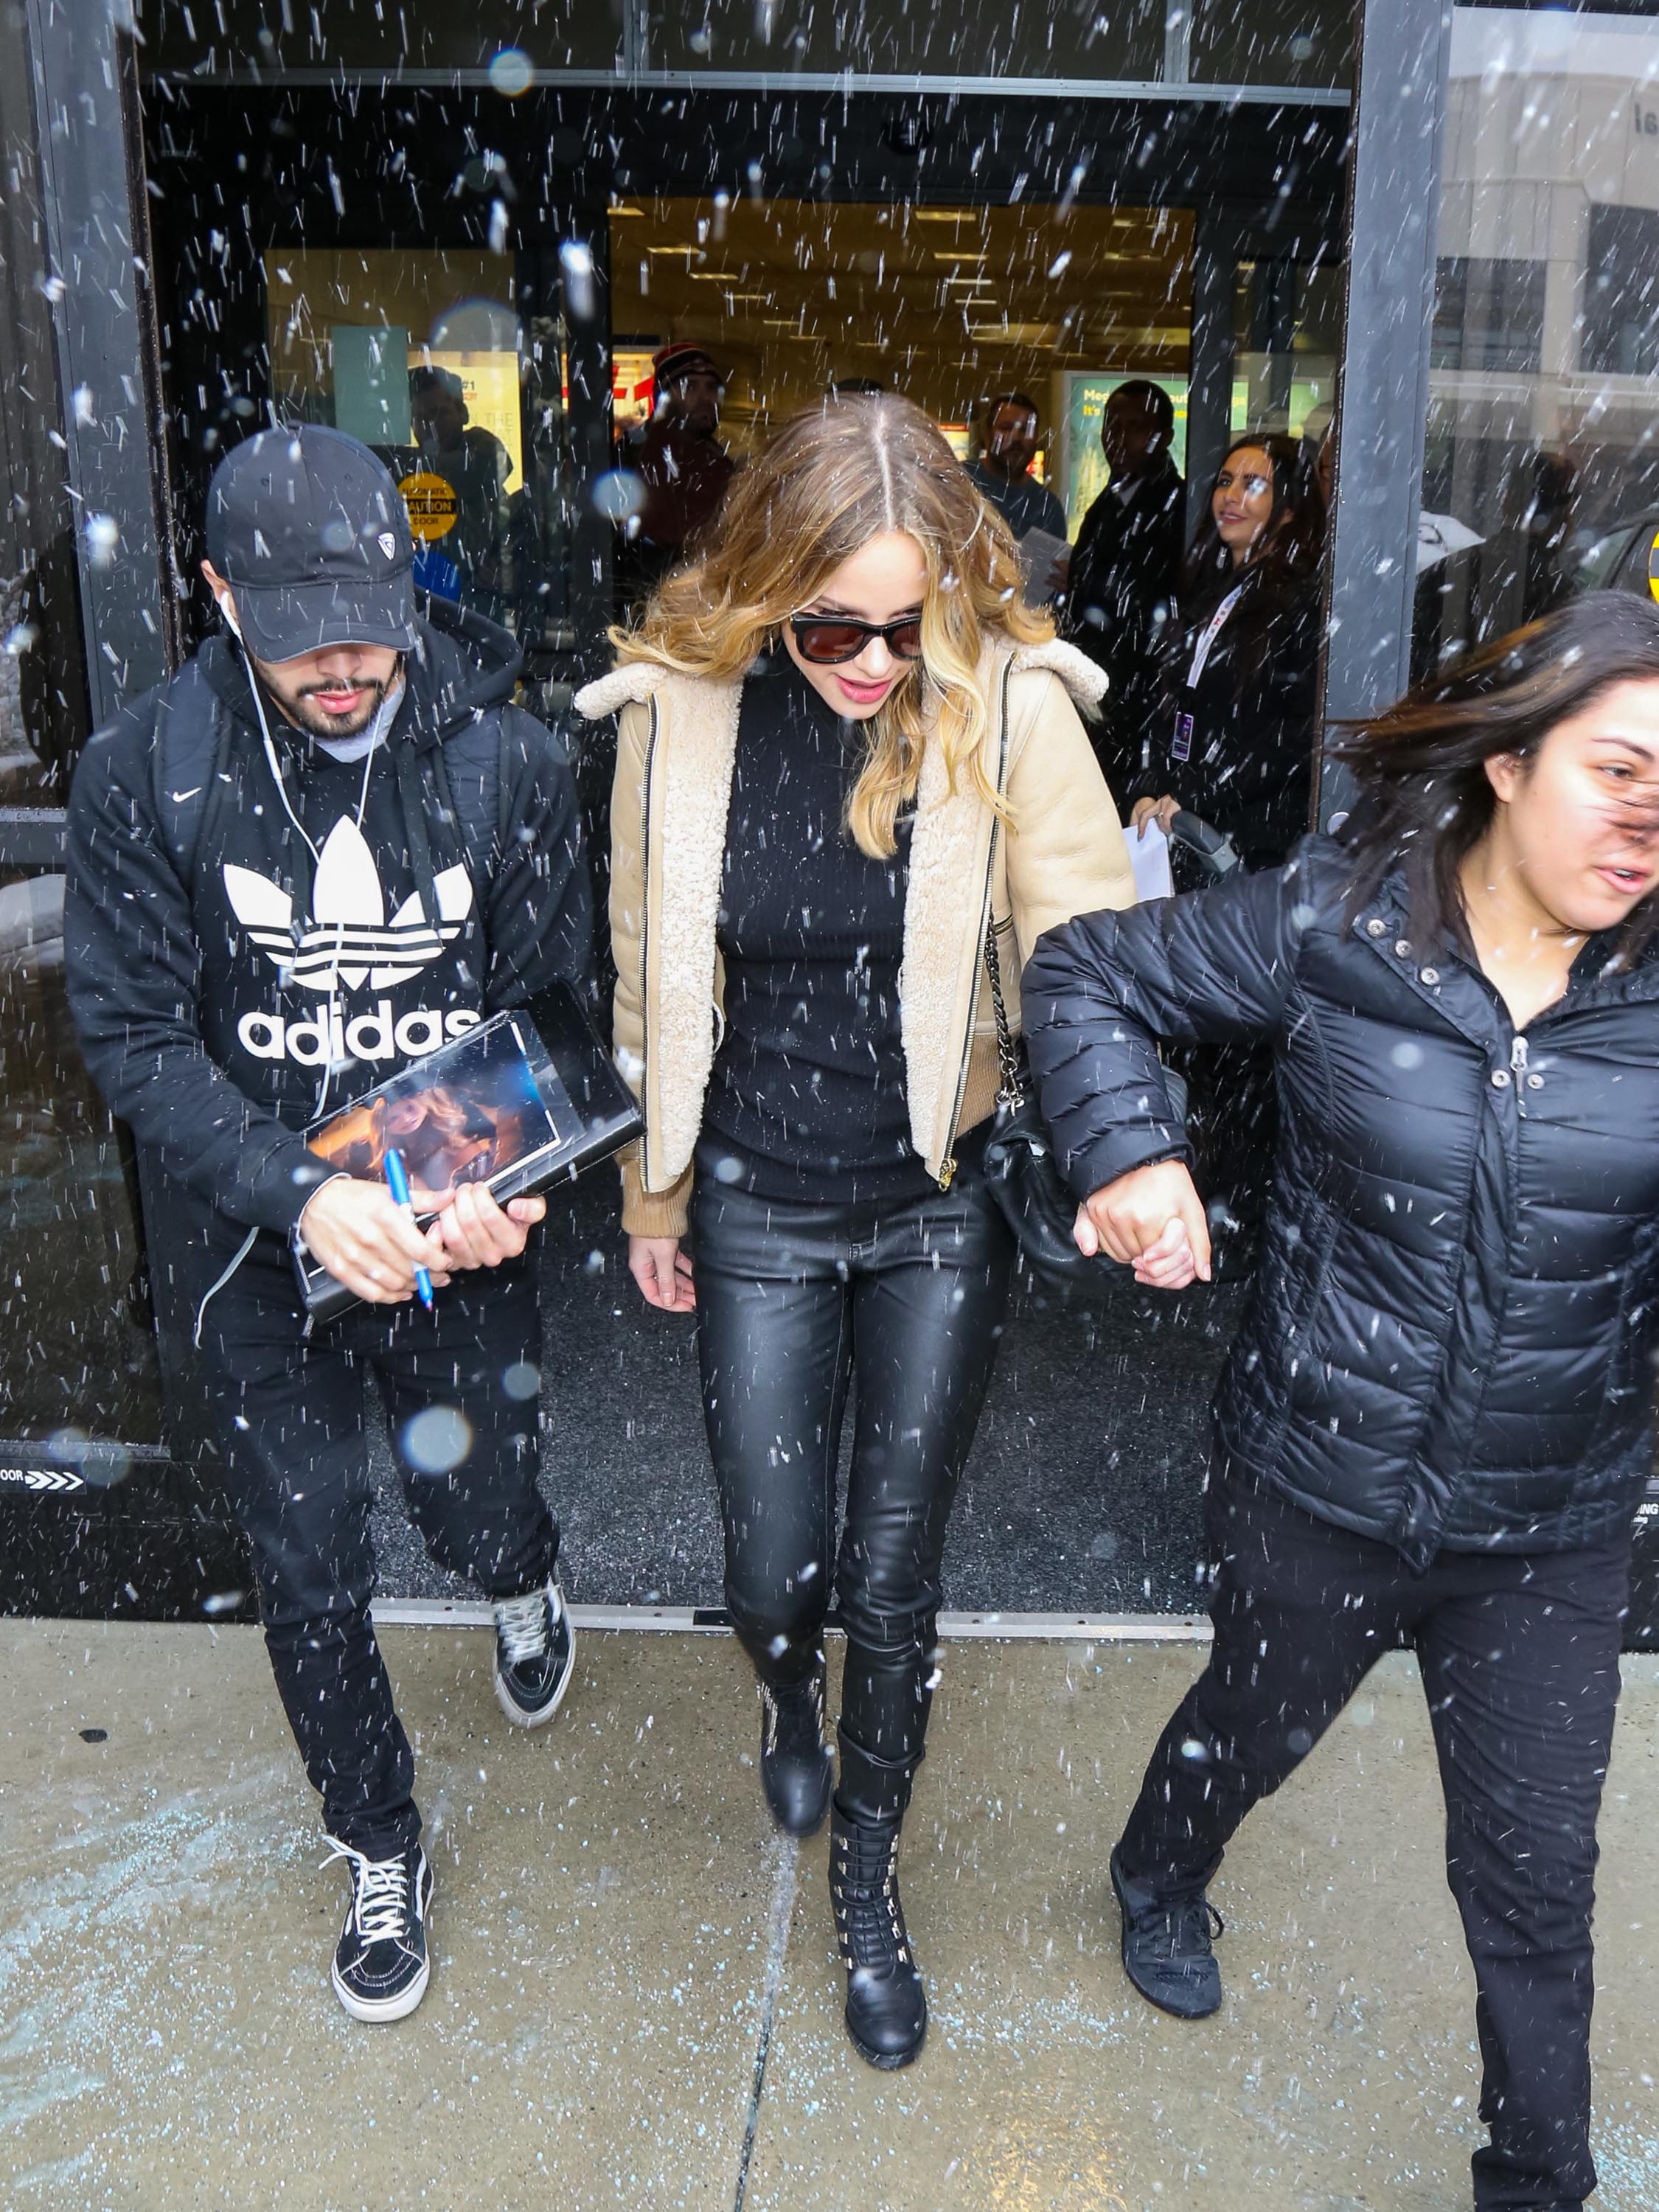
(680, 461)
(1232, 744)
(476, 466)
(1123, 572)
(1002, 474)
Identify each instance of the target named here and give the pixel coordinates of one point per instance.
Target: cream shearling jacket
(1062, 855)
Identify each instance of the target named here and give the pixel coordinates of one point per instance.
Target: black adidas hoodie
(215, 966)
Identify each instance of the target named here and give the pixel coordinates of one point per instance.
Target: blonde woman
(845, 744)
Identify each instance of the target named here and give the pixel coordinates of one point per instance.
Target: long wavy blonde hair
(834, 477)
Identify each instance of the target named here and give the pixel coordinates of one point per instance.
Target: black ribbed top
(808, 1098)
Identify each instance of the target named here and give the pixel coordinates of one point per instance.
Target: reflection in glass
(1542, 472)
(526, 42)
(1287, 324)
(948, 305)
(1301, 42)
(979, 39)
(76, 1347)
(423, 356)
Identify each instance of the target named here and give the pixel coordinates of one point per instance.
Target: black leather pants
(794, 1301)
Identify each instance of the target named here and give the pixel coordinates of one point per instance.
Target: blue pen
(397, 1184)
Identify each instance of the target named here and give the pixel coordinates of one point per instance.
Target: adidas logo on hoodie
(347, 943)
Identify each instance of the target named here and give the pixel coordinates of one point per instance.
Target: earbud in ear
(225, 609)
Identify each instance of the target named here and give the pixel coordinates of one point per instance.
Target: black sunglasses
(826, 639)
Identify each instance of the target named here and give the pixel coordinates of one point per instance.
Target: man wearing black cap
(328, 844)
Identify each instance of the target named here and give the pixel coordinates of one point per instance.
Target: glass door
(951, 306)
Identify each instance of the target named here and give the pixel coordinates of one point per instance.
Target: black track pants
(290, 1415)
(792, 1302)
(1520, 1661)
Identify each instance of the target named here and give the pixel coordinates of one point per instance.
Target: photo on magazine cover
(483, 1117)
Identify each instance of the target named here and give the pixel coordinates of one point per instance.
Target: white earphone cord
(276, 767)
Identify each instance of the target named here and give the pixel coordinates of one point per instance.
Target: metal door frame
(1382, 382)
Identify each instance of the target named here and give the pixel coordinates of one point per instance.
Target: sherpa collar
(690, 786)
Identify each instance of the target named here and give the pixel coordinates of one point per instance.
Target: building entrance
(477, 284)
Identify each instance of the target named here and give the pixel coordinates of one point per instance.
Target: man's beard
(305, 715)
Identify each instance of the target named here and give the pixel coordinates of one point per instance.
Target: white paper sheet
(1039, 551)
(1149, 856)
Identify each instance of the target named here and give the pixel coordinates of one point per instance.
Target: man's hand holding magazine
(355, 1228)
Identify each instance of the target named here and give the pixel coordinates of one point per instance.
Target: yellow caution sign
(430, 500)
(1653, 566)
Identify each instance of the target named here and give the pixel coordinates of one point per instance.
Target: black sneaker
(381, 1967)
(535, 1654)
(1166, 1947)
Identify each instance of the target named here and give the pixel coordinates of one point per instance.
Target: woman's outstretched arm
(1100, 991)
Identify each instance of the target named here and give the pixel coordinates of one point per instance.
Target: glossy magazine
(524, 1099)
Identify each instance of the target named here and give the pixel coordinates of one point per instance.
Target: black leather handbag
(1021, 1170)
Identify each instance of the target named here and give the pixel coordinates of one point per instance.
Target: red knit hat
(682, 358)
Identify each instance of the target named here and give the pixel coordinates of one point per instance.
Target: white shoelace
(522, 1624)
(381, 1907)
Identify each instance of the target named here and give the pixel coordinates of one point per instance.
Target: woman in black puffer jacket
(1436, 1421)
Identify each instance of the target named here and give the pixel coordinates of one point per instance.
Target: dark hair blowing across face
(1426, 800)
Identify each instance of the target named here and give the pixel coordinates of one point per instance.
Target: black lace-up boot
(886, 2004)
(795, 1760)
(1167, 1951)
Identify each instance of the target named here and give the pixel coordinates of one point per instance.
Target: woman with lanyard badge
(847, 747)
(1238, 754)
(1238, 748)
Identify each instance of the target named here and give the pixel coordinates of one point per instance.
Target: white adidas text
(373, 1035)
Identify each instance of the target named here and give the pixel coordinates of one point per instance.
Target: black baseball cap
(312, 534)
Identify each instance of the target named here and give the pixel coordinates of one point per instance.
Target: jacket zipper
(645, 939)
(1518, 1056)
(948, 1165)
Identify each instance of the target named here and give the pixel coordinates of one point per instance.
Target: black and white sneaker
(381, 1966)
(535, 1654)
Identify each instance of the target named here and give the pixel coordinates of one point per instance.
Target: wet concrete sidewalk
(634, 2000)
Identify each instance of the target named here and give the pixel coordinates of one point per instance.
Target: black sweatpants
(792, 1302)
(459, 1391)
(1520, 1660)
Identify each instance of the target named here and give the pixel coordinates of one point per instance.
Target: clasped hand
(1152, 1219)
(369, 1243)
